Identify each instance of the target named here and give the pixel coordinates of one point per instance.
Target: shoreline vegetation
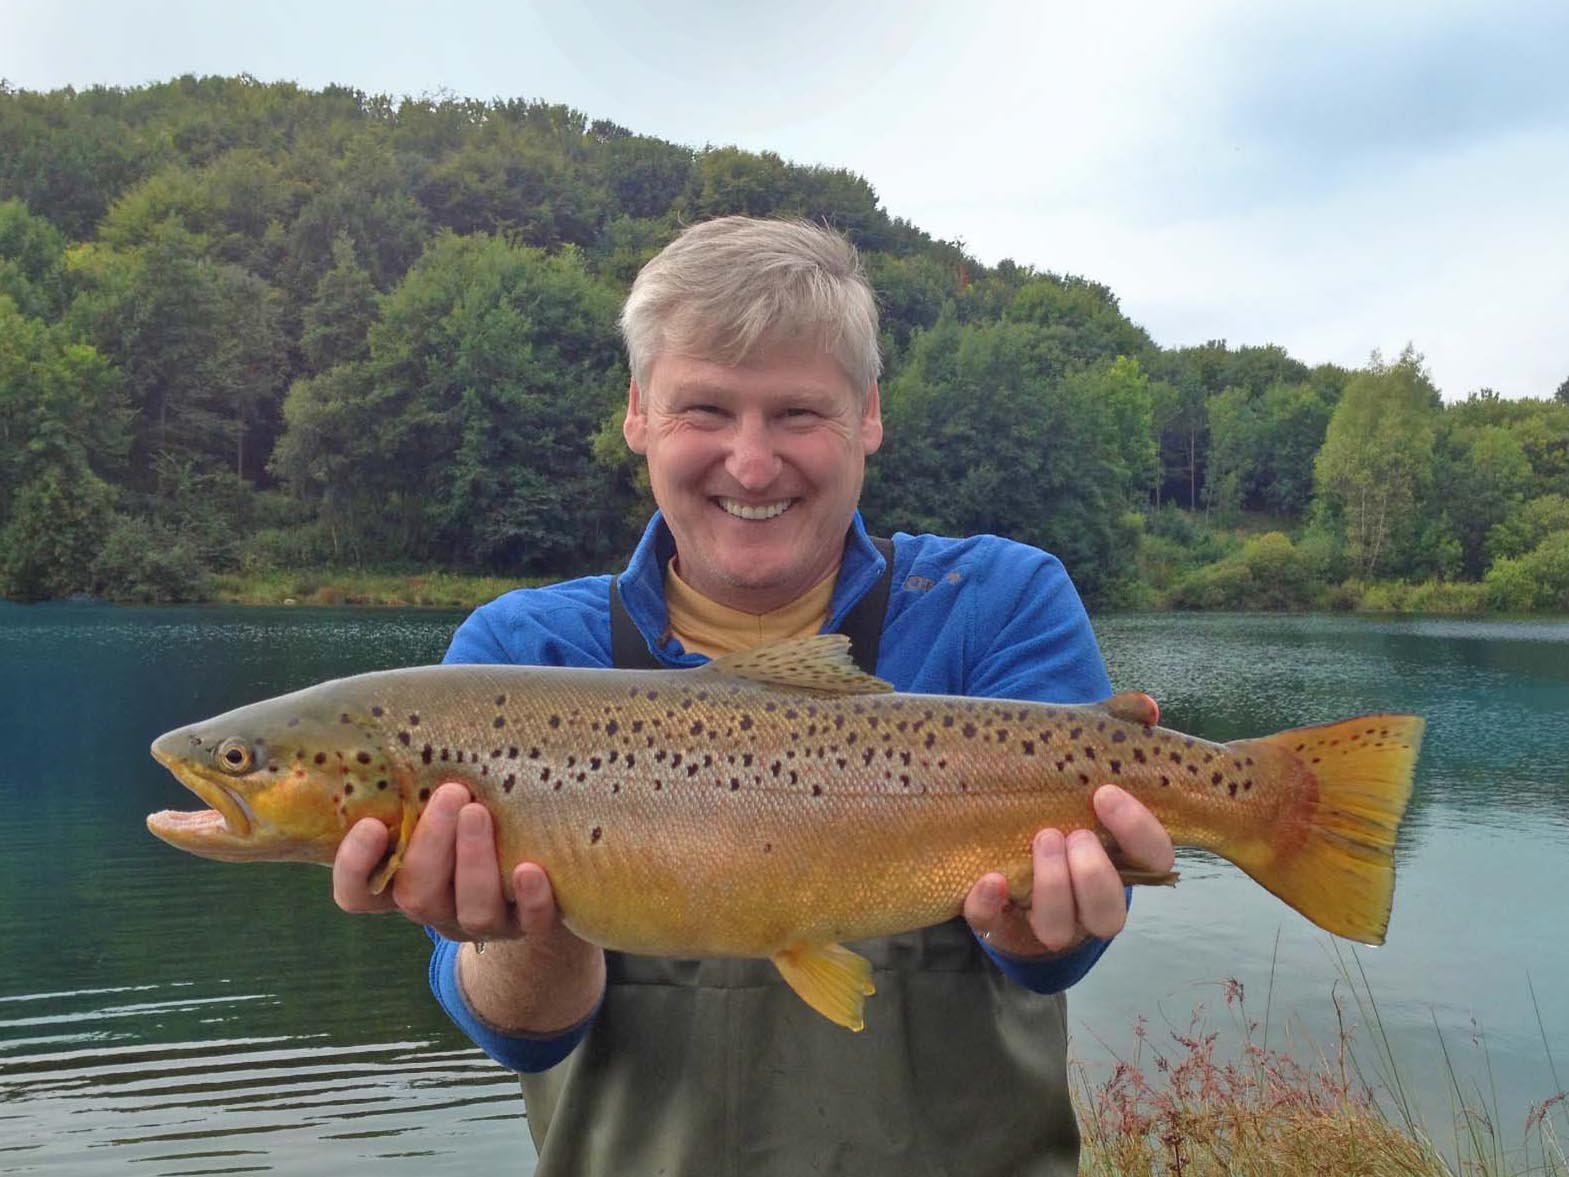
(1198, 1101)
(248, 327)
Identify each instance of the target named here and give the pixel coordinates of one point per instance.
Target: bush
(1535, 582)
(54, 527)
(141, 561)
(1268, 573)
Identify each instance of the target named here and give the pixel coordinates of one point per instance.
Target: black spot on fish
(630, 760)
(544, 776)
(595, 835)
(1215, 779)
(696, 729)
(969, 731)
(1075, 733)
(403, 738)
(768, 847)
(1116, 766)
(1118, 736)
(424, 794)
(1232, 788)
(735, 783)
(320, 758)
(501, 700)
(499, 722)
(613, 757)
(512, 752)
(555, 721)
(381, 784)
(1165, 781)
(348, 789)
(612, 727)
(1029, 747)
(377, 712)
(362, 757)
(652, 695)
(581, 777)
(1089, 752)
(414, 721)
(425, 753)
(1084, 778)
(817, 790)
(344, 718)
(594, 763)
(637, 726)
(675, 760)
(947, 721)
(446, 753)
(1247, 784)
(1138, 754)
(931, 738)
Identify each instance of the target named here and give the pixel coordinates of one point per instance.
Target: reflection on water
(166, 1015)
(80, 1084)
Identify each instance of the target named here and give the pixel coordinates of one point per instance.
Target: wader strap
(863, 625)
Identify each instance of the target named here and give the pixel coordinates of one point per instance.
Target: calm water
(164, 1015)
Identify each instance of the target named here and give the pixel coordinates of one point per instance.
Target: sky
(1335, 178)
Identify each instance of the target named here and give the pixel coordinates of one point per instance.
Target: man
(754, 399)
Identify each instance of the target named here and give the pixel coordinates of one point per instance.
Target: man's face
(757, 468)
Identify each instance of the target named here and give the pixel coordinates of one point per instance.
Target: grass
(443, 590)
(1202, 1106)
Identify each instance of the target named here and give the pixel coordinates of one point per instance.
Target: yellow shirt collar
(707, 627)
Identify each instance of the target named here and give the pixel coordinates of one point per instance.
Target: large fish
(778, 801)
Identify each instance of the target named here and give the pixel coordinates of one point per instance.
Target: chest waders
(715, 1068)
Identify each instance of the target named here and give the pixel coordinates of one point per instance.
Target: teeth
(770, 511)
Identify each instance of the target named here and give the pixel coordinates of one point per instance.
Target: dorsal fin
(820, 663)
(1133, 707)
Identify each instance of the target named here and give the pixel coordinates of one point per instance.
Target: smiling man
(754, 400)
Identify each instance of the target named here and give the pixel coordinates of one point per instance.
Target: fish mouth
(229, 821)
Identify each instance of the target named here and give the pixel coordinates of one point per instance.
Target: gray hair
(726, 287)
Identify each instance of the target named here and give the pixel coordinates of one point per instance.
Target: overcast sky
(1332, 177)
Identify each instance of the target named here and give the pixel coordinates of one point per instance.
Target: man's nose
(752, 460)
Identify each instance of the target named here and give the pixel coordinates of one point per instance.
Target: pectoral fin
(393, 859)
(830, 978)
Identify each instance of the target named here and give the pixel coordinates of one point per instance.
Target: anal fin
(830, 978)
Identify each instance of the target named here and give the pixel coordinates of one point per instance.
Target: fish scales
(775, 799)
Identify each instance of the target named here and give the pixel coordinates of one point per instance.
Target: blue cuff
(516, 1052)
(1056, 973)
(1051, 975)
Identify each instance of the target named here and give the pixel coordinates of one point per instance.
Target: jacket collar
(642, 586)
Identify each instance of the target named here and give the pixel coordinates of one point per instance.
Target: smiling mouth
(739, 510)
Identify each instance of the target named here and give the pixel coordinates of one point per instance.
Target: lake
(164, 1015)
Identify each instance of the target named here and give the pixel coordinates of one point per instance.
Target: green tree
(32, 261)
(985, 435)
(1377, 459)
(337, 321)
(466, 436)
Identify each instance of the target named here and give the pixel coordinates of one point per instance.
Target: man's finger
(984, 905)
(536, 901)
(423, 885)
(358, 854)
(1140, 836)
(1097, 888)
(482, 910)
(1054, 917)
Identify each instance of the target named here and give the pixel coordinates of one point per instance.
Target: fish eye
(235, 756)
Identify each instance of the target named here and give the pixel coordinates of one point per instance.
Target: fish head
(284, 779)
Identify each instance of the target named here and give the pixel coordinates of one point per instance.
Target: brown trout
(778, 801)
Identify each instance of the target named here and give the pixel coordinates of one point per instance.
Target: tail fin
(1333, 859)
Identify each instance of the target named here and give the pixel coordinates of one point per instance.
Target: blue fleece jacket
(982, 616)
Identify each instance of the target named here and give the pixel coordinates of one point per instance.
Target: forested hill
(247, 326)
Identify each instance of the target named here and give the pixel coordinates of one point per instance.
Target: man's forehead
(815, 373)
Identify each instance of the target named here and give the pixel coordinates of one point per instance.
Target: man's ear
(872, 421)
(635, 427)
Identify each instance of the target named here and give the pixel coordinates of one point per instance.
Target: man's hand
(1077, 892)
(449, 879)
